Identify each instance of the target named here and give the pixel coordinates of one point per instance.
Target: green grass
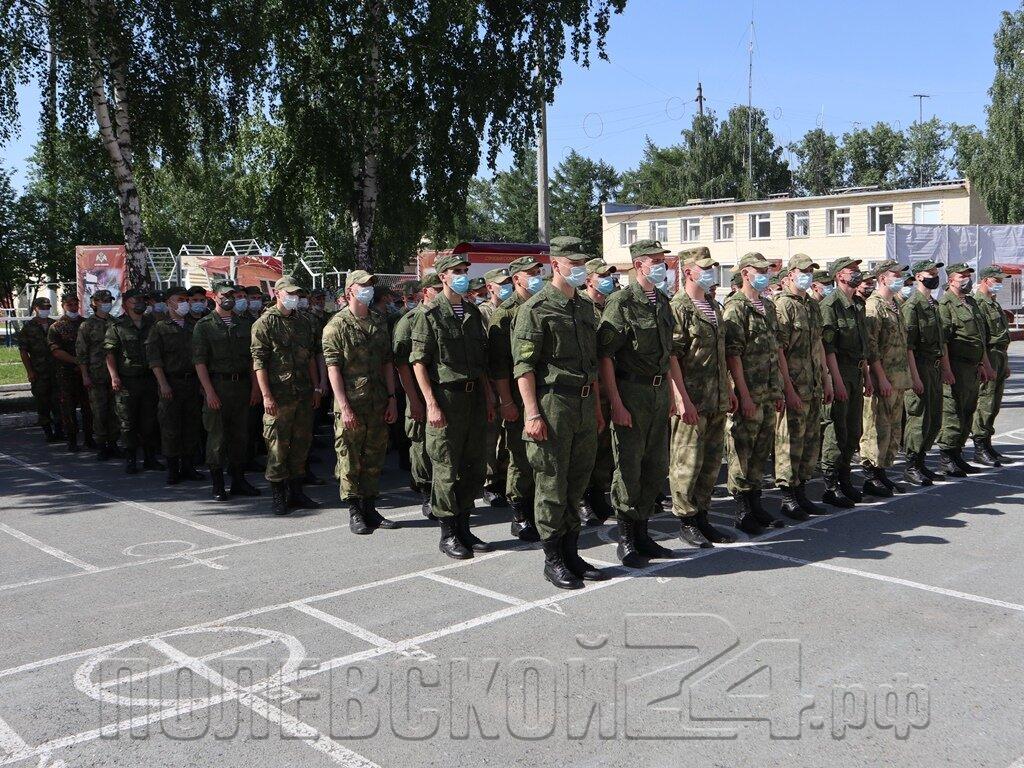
(11, 369)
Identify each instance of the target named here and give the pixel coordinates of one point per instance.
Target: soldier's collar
(556, 295)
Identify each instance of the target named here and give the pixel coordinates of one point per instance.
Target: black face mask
(226, 304)
(855, 279)
(138, 307)
(931, 283)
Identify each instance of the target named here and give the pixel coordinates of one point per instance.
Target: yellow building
(849, 223)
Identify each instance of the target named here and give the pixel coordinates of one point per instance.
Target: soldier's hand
(841, 395)
(31, 377)
(828, 394)
(166, 393)
(688, 412)
(917, 385)
(391, 412)
(255, 396)
(490, 411)
(269, 405)
(621, 416)
(793, 401)
(417, 410)
(747, 407)
(212, 401)
(349, 420)
(86, 381)
(780, 404)
(317, 397)
(536, 430)
(734, 403)
(602, 425)
(115, 384)
(510, 411)
(435, 417)
(869, 387)
(948, 377)
(884, 387)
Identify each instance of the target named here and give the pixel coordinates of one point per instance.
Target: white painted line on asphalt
(289, 725)
(10, 742)
(52, 551)
(345, 626)
(126, 502)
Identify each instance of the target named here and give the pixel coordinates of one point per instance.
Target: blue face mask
(995, 288)
(895, 284)
(505, 291)
(198, 306)
(804, 280)
(105, 307)
(657, 274)
(535, 283)
(606, 285)
(364, 295)
(827, 290)
(255, 305)
(760, 282)
(666, 287)
(906, 290)
(241, 305)
(459, 284)
(411, 304)
(706, 279)
(160, 307)
(577, 277)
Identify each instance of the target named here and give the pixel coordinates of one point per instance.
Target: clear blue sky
(822, 61)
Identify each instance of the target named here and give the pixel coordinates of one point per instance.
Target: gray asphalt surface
(145, 625)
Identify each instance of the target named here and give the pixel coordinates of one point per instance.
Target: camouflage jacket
(700, 347)
(887, 340)
(555, 337)
(63, 336)
(169, 346)
(964, 328)
(753, 338)
(450, 348)
(636, 334)
(359, 348)
(843, 330)
(89, 346)
(127, 342)
(32, 339)
(283, 346)
(799, 335)
(995, 321)
(222, 348)
(499, 340)
(924, 326)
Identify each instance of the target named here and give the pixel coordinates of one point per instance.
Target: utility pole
(920, 121)
(542, 167)
(700, 99)
(750, 106)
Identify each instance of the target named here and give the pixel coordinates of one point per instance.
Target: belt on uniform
(632, 378)
(466, 385)
(565, 389)
(231, 376)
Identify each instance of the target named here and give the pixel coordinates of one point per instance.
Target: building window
(837, 221)
(760, 226)
(928, 213)
(627, 233)
(689, 230)
(878, 217)
(723, 227)
(659, 230)
(798, 224)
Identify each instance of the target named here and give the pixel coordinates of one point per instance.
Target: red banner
(98, 268)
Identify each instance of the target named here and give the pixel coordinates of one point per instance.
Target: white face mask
(72, 315)
(181, 308)
(290, 302)
(44, 313)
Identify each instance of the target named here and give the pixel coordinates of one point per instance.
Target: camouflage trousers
(101, 403)
(44, 391)
(641, 451)
(227, 428)
(882, 429)
(990, 396)
(289, 436)
(361, 451)
(519, 482)
(844, 422)
(457, 451)
(604, 463)
(696, 458)
(135, 405)
(419, 461)
(959, 403)
(797, 442)
(924, 411)
(180, 417)
(563, 463)
(497, 457)
(72, 396)
(750, 445)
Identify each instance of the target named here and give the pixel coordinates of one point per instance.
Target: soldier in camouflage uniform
(990, 397)
(131, 381)
(602, 282)
(845, 343)
(199, 306)
(519, 488)
(62, 338)
(698, 343)
(256, 304)
(806, 385)
(966, 341)
(823, 284)
(284, 355)
(554, 350)
(498, 286)
(92, 362)
(415, 409)
(449, 360)
(636, 365)
(156, 305)
(893, 373)
(179, 411)
(41, 367)
(751, 349)
(357, 349)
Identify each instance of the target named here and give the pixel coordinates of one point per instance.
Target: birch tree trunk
(365, 171)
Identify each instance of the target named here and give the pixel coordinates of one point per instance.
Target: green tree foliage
(579, 186)
(819, 163)
(875, 156)
(515, 199)
(928, 156)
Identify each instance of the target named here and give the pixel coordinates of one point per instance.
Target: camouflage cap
(800, 261)
(839, 264)
(477, 283)
(253, 290)
(224, 286)
(409, 287)
(431, 280)
(40, 301)
(177, 290)
(134, 293)
(71, 296)
(522, 264)
(959, 269)
(889, 265)
(499, 276)
(600, 267)
(775, 279)
(992, 271)
(924, 265)
(823, 276)
(752, 259)
(359, 277)
(102, 295)
(697, 257)
(286, 284)
(736, 279)
(566, 247)
(647, 248)
(450, 261)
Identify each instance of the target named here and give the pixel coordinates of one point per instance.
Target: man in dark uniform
(990, 397)
(62, 337)
(92, 363)
(41, 367)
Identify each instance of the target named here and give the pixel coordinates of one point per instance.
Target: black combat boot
(375, 518)
(173, 470)
(760, 513)
(833, 495)
(58, 431)
(523, 527)
(935, 477)
(496, 499)
(991, 451)
(948, 465)
(745, 520)
(425, 508)
(149, 460)
(914, 473)
(467, 537)
(239, 485)
(357, 522)
(278, 493)
(73, 443)
(89, 441)
(586, 514)
(882, 477)
(874, 485)
(962, 465)
(791, 505)
(297, 499)
(647, 546)
(189, 471)
(450, 543)
(217, 481)
(48, 434)
(131, 461)
(712, 533)
(599, 506)
(981, 456)
(846, 485)
(627, 551)
(808, 506)
(690, 534)
(580, 568)
(555, 569)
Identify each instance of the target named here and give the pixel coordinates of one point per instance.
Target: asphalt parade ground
(147, 625)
